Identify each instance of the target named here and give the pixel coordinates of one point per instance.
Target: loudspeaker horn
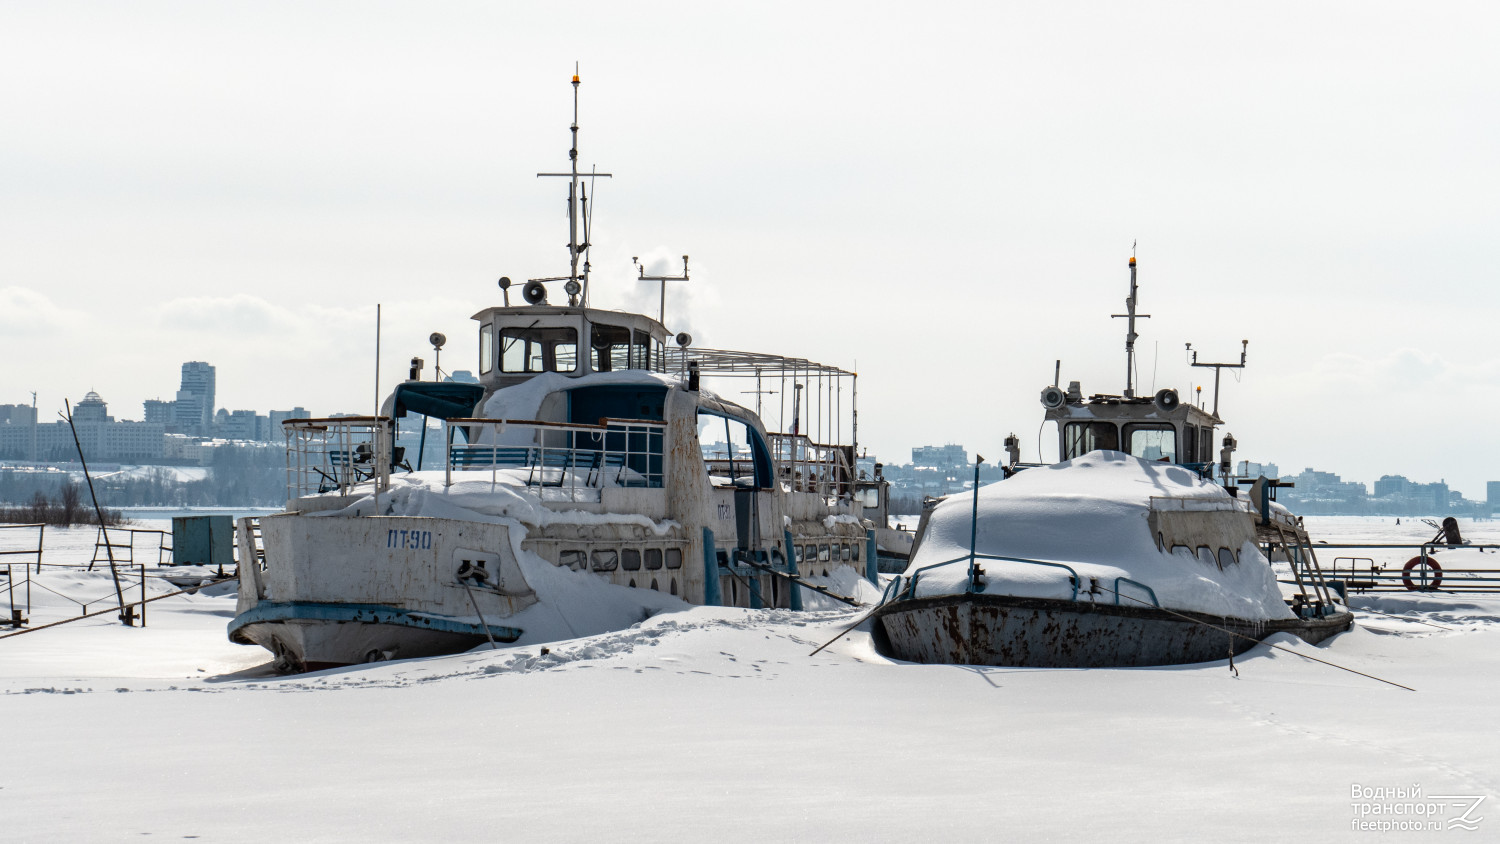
(1166, 400)
(535, 293)
(684, 339)
(1052, 398)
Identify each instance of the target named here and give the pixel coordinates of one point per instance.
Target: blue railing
(1149, 590)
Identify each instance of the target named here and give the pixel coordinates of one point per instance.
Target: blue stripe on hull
(267, 611)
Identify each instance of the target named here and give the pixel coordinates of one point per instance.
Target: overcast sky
(943, 195)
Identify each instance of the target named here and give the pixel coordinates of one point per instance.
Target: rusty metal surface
(1003, 630)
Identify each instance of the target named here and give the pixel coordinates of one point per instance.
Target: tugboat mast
(1130, 334)
(577, 285)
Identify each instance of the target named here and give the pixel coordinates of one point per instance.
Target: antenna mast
(1130, 334)
(576, 284)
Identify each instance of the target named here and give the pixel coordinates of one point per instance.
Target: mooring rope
(1255, 640)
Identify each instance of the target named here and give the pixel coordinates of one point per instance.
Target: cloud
(24, 311)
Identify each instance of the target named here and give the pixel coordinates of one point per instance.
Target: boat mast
(576, 284)
(1130, 334)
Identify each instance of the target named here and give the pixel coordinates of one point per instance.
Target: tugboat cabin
(516, 343)
(1160, 427)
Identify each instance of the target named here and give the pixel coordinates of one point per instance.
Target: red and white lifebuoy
(1427, 562)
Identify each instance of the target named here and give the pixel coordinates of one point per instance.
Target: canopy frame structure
(823, 384)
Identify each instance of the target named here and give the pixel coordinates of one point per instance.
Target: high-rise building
(159, 412)
(1492, 493)
(195, 399)
(17, 414)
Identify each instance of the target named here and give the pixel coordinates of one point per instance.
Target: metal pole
(974, 524)
(482, 622)
(98, 513)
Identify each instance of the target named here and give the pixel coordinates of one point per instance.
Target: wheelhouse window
(734, 454)
(539, 349)
(640, 350)
(611, 347)
(1151, 441)
(1190, 442)
(486, 348)
(1080, 438)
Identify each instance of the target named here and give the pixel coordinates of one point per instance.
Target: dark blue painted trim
(365, 613)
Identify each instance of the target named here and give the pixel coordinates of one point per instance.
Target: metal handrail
(911, 589)
(1148, 589)
(337, 454)
(643, 441)
(809, 466)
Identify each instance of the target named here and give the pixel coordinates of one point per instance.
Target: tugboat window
(640, 351)
(674, 558)
(486, 348)
(611, 345)
(1190, 442)
(1153, 441)
(653, 558)
(1080, 438)
(630, 559)
(539, 349)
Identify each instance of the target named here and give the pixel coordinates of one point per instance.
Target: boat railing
(576, 459)
(336, 454)
(910, 591)
(1149, 591)
(807, 466)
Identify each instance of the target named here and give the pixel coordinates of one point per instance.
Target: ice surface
(715, 724)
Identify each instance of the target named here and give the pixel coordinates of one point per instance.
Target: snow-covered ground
(718, 724)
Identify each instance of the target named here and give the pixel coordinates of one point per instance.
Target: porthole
(674, 558)
(856, 552)
(606, 560)
(574, 560)
(822, 553)
(1226, 557)
(630, 560)
(844, 551)
(653, 558)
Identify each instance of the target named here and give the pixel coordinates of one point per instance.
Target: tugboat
(589, 480)
(1131, 551)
